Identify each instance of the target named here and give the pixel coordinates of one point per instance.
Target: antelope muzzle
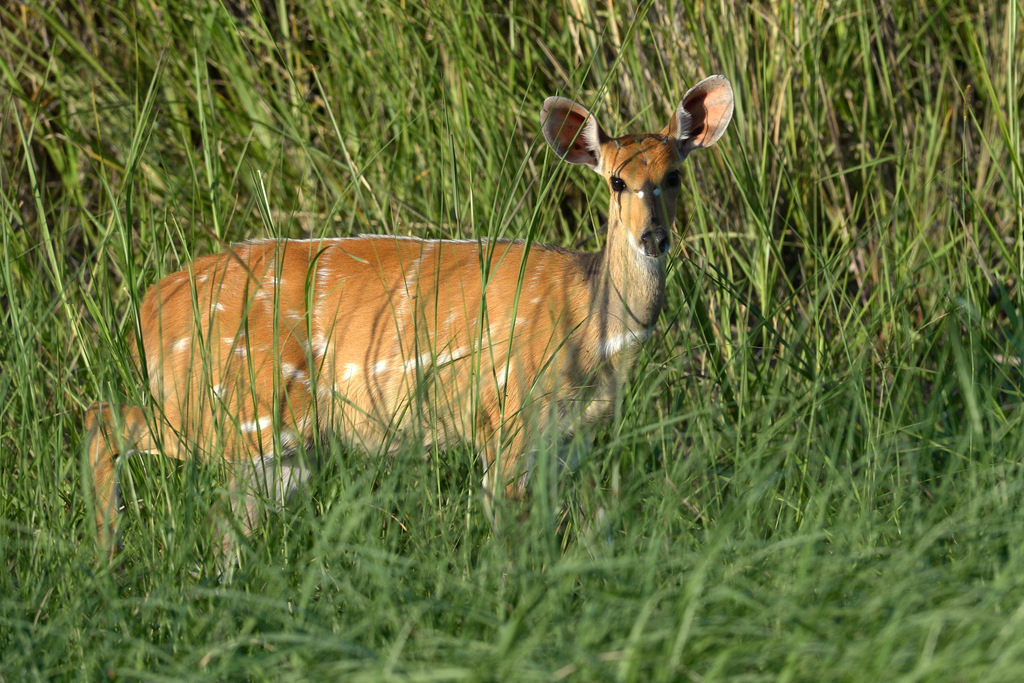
(654, 242)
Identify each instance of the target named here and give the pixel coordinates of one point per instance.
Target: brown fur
(255, 352)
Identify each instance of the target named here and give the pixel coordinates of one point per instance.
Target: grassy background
(815, 473)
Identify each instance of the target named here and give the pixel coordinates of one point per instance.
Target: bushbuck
(253, 354)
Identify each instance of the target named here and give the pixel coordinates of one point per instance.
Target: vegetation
(814, 473)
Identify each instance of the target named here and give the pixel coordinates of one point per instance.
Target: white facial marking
(635, 243)
(640, 194)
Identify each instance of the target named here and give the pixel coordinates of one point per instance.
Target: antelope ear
(702, 116)
(572, 131)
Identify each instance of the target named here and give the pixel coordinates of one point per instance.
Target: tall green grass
(814, 473)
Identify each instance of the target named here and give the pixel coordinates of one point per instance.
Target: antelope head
(642, 171)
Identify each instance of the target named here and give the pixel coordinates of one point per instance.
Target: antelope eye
(672, 179)
(618, 184)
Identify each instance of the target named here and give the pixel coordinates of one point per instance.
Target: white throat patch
(612, 345)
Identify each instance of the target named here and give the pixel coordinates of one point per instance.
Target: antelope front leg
(108, 435)
(266, 479)
(506, 472)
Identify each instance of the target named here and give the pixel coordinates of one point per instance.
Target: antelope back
(264, 346)
(267, 345)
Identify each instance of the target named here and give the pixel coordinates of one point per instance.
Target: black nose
(654, 242)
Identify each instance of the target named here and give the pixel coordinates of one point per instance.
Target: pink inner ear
(704, 114)
(571, 131)
(698, 111)
(577, 120)
(571, 125)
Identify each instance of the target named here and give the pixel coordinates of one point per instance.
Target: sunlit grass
(812, 475)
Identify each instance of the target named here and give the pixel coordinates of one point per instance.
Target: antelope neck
(630, 287)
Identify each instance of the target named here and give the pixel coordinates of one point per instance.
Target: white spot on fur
(218, 307)
(324, 393)
(448, 357)
(319, 348)
(640, 194)
(495, 329)
(380, 366)
(414, 275)
(182, 344)
(413, 363)
(256, 425)
(294, 374)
